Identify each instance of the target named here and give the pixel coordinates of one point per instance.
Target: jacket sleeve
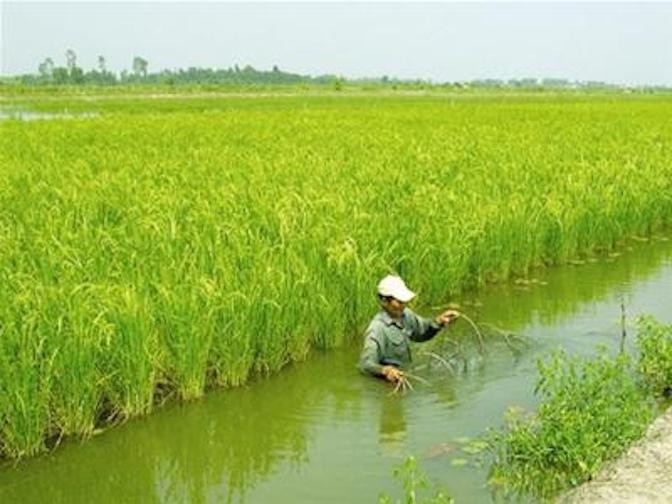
(424, 329)
(369, 360)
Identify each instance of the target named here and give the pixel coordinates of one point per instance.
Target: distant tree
(488, 83)
(529, 82)
(140, 66)
(77, 75)
(46, 69)
(555, 82)
(238, 74)
(61, 75)
(70, 59)
(101, 75)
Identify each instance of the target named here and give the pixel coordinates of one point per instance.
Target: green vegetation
(591, 410)
(416, 485)
(169, 245)
(655, 355)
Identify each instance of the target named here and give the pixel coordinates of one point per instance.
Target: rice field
(165, 246)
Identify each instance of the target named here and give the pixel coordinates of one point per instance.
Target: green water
(321, 432)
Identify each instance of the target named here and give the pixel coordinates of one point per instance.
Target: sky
(616, 42)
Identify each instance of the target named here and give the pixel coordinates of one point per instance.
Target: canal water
(321, 432)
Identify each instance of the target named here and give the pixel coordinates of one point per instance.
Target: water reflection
(392, 436)
(550, 295)
(221, 448)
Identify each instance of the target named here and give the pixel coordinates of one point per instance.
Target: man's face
(394, 307)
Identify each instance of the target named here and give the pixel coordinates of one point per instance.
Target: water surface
(26, 115)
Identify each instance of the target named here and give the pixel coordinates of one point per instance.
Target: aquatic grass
(157, 250)
(417, 488)
(590, 411)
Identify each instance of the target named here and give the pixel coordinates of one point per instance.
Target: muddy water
(320, 432)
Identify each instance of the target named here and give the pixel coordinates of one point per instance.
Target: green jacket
(387, 341)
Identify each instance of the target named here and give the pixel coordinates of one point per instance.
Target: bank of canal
(321, 432)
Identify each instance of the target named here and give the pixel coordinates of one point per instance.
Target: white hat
(394, 286)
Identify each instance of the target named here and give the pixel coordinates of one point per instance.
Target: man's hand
(447, 317)
(391, 373)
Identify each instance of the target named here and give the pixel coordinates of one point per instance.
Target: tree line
(72, 74)
(48, 73)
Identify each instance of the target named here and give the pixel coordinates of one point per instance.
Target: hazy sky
(629, 43)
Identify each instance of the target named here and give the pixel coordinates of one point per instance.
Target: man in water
(387, 340)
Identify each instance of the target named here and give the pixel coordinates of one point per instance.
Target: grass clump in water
(415, 485)
(590, 411)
